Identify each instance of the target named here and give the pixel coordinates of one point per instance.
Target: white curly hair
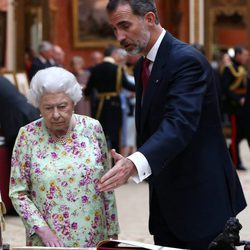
(53, 80)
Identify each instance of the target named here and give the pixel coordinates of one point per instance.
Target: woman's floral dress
(55, 184)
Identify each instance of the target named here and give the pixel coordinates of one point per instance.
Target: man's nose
(120, 36)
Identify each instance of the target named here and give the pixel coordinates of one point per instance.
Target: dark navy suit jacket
(179, 132)
(37, 65)
(15, 111)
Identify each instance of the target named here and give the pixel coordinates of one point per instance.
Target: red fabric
(145, 73)
(5, 177)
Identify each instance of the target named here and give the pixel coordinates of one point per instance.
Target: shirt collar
(109, 59)
(152, 53)
(42, 59)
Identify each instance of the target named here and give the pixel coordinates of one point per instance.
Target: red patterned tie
(145, 73)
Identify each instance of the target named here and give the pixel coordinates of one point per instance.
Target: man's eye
(125, 26)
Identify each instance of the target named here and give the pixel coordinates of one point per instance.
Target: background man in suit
(107, 79)
(194, 188)
(44, 58)
(15, 111)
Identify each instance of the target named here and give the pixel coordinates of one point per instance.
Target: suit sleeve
(183, 101)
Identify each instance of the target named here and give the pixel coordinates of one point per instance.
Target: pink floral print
(55, 184)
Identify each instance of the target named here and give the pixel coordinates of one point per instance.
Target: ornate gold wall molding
(216, 8)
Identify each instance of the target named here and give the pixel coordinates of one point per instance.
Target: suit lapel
(155, 77)
(138, 89)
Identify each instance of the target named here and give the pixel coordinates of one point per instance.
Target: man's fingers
(109, 184)
(108, 175)
(115, 155)
(110, 180)
(116, 176)
(108, 187)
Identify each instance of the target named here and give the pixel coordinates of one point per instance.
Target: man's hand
(48, 237)
(119, 174)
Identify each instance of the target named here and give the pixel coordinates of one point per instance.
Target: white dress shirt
(140, 161)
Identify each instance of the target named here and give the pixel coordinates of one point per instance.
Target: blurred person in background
(96, 57)
(58, 56)
(107, 79)
(56, 163)
(234, 82)
(43, 59)
(127, 104)
(82, 75)
(28, 58)
(15, 111)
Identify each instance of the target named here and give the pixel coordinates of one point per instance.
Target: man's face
(130, 30)
(243, 57)
(47, 54)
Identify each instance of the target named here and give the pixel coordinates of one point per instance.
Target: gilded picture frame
(90, 24)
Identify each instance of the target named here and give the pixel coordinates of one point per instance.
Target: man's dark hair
(109, 50)
(239, 49)
(139, 7)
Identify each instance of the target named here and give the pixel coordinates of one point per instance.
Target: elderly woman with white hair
(56, 164)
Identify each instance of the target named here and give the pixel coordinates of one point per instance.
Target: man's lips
(125, 44)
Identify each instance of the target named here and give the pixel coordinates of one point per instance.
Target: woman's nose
(56, 114)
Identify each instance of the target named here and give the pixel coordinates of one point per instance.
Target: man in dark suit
(107, 79)
(194, 189)
(15, 112)
(44, 58)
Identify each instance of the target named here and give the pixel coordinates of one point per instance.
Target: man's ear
(150, 18)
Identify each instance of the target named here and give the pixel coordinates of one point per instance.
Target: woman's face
(57, 110)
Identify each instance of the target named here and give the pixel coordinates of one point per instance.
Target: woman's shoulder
(84, 119)
(33, 126)
(89, 123)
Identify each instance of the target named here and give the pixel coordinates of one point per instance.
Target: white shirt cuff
(143, 168)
